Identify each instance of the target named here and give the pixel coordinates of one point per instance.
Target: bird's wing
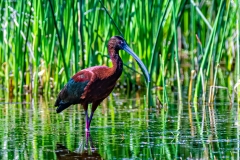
(73, 90)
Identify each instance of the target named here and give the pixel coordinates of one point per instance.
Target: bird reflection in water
(86, 150)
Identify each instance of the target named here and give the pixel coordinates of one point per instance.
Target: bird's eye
(120, 42)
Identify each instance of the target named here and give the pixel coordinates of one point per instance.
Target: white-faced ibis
(94, 84)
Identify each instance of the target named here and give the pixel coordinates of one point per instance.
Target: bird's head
(118, 43)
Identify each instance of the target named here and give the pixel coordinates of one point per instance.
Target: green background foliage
(41, 46)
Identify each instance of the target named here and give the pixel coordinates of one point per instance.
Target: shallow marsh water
(122, 127)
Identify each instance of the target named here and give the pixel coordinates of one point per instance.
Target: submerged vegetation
(183, 43)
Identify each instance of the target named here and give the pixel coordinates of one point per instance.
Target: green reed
(238, 52)
(43, 43)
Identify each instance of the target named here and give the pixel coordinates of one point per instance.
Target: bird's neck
(117, 63)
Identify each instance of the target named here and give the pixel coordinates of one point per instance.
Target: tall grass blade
(60, 42)
(208, 52)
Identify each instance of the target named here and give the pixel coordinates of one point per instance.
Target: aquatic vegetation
(42, 44)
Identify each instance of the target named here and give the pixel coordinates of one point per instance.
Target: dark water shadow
(86, 150)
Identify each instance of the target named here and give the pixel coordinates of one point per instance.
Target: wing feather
(74, 89)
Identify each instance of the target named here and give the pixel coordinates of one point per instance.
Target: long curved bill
(140, 63)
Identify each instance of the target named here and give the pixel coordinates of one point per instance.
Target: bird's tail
(62, 106)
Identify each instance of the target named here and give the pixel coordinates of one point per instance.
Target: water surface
(122, 127)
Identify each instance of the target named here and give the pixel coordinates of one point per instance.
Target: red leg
(85, 106)
(94, 107)
(86, 122)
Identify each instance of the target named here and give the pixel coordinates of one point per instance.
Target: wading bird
(94, 84)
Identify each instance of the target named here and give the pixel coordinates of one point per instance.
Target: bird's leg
(94, 107)
(85, 106)
(86, 121)
(90, 118)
